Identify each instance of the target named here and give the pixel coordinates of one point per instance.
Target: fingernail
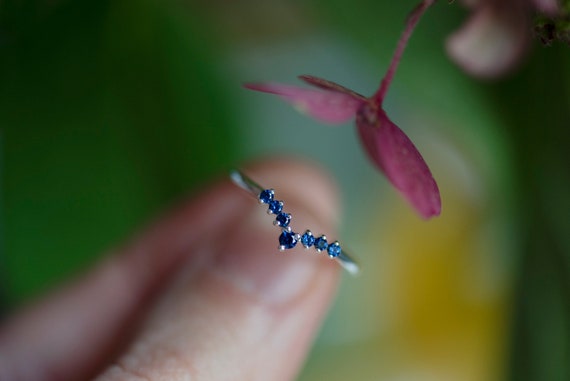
(251, 261)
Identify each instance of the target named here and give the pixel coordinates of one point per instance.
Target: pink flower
(496, 36)
(387, 146)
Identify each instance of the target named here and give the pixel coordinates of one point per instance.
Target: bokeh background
(111, 111)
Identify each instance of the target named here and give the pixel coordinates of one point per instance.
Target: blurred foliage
(109, 110)
(551, 29)
(535, 105)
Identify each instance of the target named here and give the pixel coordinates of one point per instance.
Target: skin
(202, 294)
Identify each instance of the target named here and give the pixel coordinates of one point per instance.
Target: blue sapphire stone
(287, 240)
(334, 249)
(266, 196)
(283, 219)
(321, 243)
(308, 239)
(275, 206)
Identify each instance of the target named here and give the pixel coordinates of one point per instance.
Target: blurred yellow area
(449, 321)
(434, 297)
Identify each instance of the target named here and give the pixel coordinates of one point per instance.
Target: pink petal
(548, 7)
(491, 42)
(326, 106)
(327, 85)
(397, 157)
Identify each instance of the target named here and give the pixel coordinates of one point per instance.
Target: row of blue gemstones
(288, 239)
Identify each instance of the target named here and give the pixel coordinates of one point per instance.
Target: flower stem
(411, 22)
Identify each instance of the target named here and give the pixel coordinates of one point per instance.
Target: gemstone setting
(283, 219)
(307, 239)
(288, 239)
(334, 249)
(266, 196)
(321, 243)
(275, 206)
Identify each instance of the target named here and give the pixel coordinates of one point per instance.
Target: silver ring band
(288, 239)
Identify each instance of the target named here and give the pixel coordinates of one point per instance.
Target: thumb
(239, 309)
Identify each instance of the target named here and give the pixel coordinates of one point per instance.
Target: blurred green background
(110, 111)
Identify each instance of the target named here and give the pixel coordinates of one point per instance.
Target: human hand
(200, 295)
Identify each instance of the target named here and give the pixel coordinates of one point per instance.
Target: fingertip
(249, 256)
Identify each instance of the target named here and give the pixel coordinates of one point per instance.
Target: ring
(288, 238)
